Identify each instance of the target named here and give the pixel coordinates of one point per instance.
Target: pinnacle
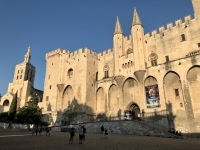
(136, 18)
(118, 28)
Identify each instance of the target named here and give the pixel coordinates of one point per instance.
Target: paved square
(16, 140)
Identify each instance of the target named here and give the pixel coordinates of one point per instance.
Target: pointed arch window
(153, 58)
(106, 69)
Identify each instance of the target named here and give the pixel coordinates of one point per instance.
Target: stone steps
(160, 128)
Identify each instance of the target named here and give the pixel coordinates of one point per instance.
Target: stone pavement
(22, 140)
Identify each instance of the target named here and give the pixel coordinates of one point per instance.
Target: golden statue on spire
(29, 49)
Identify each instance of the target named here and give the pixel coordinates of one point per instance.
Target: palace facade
(143, 72)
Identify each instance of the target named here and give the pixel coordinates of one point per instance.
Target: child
(106, 133)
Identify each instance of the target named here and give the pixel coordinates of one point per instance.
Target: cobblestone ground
(17, 140)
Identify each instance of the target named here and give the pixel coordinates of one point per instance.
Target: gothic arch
(68, 96)
(130, 91)
(133, 110)
(173, 93)
(100, 100)
(6, 105)
(129, 51)
(70, 72)
(152, 92)
(153, 58)
(113, 100)
(150, 80)
(106, 70)
(193, 78)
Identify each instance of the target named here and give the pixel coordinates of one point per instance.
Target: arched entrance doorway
(132, 111)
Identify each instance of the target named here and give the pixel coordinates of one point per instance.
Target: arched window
(129, 51)
(70, 72)
(153, 58)
(6, 103)
(106, 68)
(22, 71)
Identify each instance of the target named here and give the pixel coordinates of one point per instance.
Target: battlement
(105, 53)
(169, 27)
(54, 52)
(80, 51)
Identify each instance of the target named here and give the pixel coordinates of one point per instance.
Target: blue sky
(46, 25)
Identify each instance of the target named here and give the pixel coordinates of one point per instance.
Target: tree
(33, 100)
(31, 113)
(13, 107)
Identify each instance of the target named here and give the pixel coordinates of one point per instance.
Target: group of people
(81, 131)
(172, 130)
(37, 130)
(104, 132)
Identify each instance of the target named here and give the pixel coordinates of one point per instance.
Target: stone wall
(15, 126)
(121, 127)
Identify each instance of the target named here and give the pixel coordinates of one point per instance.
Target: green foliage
(4, 117)
(33, 100)
(13, 108)
(30, 114)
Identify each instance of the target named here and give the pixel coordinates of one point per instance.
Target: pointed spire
(136, 18)
(27, 57)
(118, 28)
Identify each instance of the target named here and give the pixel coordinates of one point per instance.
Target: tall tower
(25, 71)
(137, 33)
(196, 7)
(118, 40)
(23, 80)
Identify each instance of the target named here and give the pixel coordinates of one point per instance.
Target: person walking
(80, 130)
(33, 130)
(36, 130)
(106, 133)
(84, 131)
(49, 131)
(9, 125)
(102, 131)
(40, 130)
(72, 133)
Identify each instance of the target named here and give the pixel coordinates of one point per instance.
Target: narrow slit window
(183, 37)
(176, 92)
(198, 44)
(50, 87)
(167, 58)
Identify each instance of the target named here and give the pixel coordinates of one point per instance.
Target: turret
(118, 40)
(137, 33)
(196, 7)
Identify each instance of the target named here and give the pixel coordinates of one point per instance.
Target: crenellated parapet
(169, 27)
(105, 53)
(84, 52)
